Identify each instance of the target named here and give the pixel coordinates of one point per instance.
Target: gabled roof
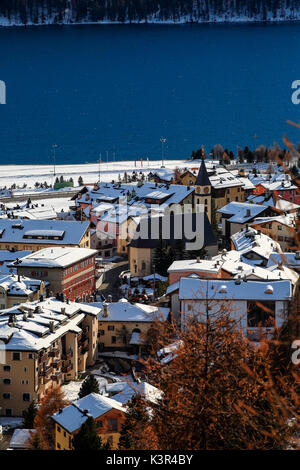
(202, 178)
(94, 405)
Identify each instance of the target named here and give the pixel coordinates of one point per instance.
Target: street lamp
(163, 141)
(54, 146)
(99, 168)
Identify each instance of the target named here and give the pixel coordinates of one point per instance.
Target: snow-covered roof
(288, 220)
(251, 240)
(134, 193)
(20, 231)
(55, 257)
(124, 311)
(227, 289)
(20, 438)
(27, 327)
(95, 405)
(146, 390)
(19, 285)
(241, 212)
(289, 259)
(195, 266)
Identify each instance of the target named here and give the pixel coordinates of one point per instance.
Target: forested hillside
(82, 11)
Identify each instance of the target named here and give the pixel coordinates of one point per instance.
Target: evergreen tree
(87, 437)
(80, 181)
(89, 385)
(29, 416)
(160, 256)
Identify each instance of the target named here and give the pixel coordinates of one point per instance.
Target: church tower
(203, 190)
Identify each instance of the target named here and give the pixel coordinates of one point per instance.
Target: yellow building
(33, 235)
(123, 326)
(46, 343)
(108, 414)
(16, 290)
(282, 229)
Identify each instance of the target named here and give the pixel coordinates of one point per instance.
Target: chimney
(198, 259)
(51, 326)
(25, 316)
(105, 309)
(248, 213)
(30, 314)
(63, 310)
(238, 280)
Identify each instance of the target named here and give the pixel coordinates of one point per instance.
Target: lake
(119, 88)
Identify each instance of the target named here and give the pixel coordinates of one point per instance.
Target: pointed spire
(202, 178)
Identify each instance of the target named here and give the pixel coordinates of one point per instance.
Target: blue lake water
(116, 88)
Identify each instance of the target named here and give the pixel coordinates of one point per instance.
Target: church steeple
(202, 178)
(202, 194)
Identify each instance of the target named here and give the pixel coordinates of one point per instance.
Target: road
(112, 282)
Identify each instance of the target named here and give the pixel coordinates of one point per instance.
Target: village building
(70, 271)
(142, 250)
(108, 414)
(256, 306)
(16, 289)
(281, 228)
(34, 235)
(45, 343)
(235, 216)
(123, 326)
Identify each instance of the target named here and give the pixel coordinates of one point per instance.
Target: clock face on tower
(206, 190)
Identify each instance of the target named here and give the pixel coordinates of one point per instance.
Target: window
(58, 445)
(100, 332)
(7, 381)
(6, 368)
(65, 434)
(111, 328)
(26, 396)
(99, 424)
(113, 340)
(16, 356)
(8, 412)
(58, 429)
(261, 314)
(6, 396)
(30, 356)
(279, 227)
(112, 424)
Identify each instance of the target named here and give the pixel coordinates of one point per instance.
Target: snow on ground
(29, 174)
(71, 389)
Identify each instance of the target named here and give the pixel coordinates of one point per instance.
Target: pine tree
(29, 416)
(89, 385)
(87, 437)
(80, 181)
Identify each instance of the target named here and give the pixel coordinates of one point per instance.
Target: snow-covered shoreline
(4, 22)
(29, 174)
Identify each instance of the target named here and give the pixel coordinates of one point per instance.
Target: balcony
(67, 368)
(67, 355)
(43, 357)
(54, 352)
(57, 364)
(56, 377)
